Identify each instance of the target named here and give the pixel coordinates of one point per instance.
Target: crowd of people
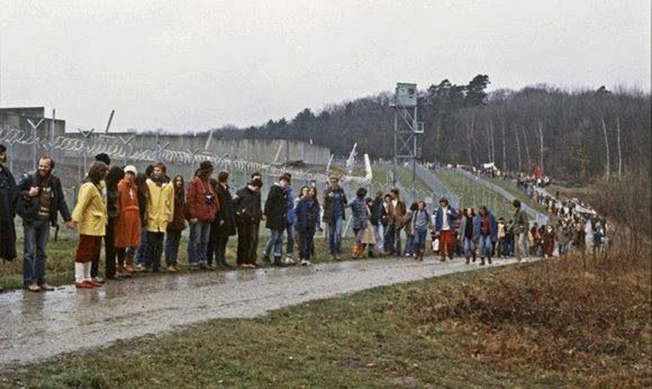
(139, 217)
(572, 215)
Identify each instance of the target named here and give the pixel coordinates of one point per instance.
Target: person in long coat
(247, 207)
(90, 215)
(176, 226)
(8, 194)
(113, 178)
(226, 221)
(128, 225)
(307, 213)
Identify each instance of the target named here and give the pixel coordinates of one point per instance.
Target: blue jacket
(475, 231)
(306, 207)
(292, 215)
(439, 218)
(493, 226)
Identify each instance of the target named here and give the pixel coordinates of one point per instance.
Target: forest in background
(575, 135)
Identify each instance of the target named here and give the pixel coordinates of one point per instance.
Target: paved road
(36, 326)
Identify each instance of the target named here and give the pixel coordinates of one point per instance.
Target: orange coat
(127, 225)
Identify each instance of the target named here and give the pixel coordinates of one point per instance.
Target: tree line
(575, 135)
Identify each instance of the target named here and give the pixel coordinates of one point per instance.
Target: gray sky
(182, 65)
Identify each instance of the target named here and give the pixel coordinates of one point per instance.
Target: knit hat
(103, 157)
(131, 169)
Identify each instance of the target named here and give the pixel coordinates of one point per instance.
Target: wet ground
(36, 326)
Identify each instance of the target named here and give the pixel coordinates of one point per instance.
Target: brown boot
(130, 266)
(481, 261)
(122, 271)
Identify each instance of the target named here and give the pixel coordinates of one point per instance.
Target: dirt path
(38, 326)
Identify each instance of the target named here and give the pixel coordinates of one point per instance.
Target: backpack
(26, 206)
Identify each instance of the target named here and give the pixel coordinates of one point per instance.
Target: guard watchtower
(406, 129)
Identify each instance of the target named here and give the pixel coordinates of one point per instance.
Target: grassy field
(473, 194)
(589, 325)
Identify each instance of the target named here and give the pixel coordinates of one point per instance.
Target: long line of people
(140, 217)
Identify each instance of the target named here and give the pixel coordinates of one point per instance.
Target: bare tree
(540, 128)
(518, 150)
(620, 154)
(606, 143)
(502, 126)
(527, 149)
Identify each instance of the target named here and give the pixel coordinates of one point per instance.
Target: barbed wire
(118, 149)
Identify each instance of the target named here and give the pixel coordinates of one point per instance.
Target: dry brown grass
(581, 313)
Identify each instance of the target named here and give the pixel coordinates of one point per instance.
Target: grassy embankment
(582, 320)
(472, 194)
(577, 321)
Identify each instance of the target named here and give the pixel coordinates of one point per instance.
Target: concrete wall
(264, 151)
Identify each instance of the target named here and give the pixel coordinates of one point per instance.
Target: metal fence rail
(438, 188)
(539, 218)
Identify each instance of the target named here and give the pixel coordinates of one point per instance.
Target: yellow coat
(160, 206)
(90, 211)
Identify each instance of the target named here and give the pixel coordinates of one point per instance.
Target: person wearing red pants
(90, 216)
(445, 216)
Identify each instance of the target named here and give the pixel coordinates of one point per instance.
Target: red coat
(128, 224)
(197, 200)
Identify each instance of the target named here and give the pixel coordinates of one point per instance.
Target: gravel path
(35, 326)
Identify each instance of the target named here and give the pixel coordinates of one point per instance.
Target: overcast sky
(195, 65)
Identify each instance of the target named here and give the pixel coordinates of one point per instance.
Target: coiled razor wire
(117, 149)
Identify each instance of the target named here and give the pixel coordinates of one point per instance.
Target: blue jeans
(275, 241)
(409, 244)
(290, 232)
(335, 235)
(468, 246)
(379, 232)
(139, 256)
(485, 246)
(36, 238)
(419, 240)
(198, 243)
(172, 247)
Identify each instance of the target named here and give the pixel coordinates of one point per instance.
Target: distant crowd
(139, 216)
